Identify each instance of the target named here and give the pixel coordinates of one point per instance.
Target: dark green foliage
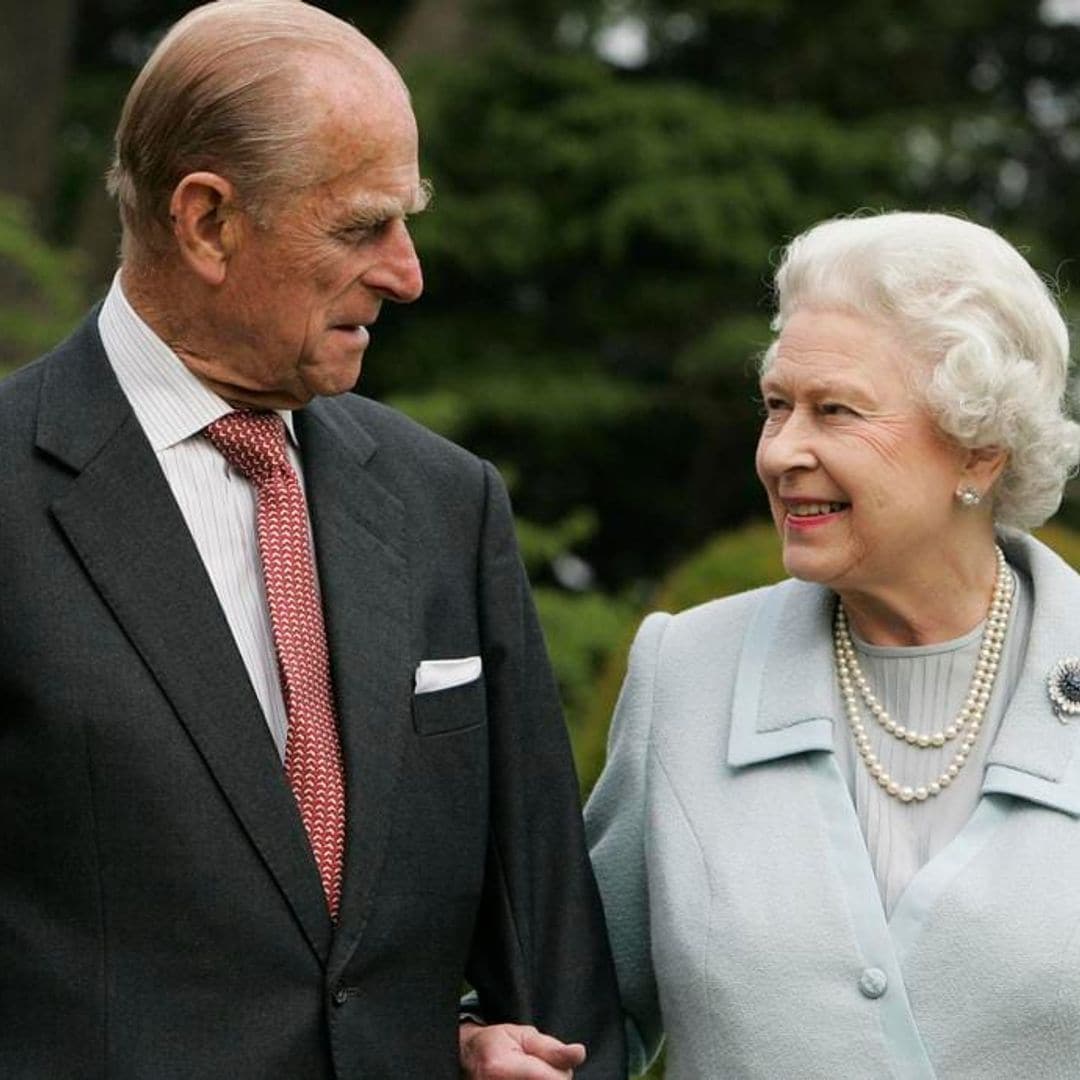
(43, 292)
(583, 630)
(596, 260)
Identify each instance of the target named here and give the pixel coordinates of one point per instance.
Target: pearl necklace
(968, 721)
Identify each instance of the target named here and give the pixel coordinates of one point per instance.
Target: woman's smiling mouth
(815, 509)
(802, 515)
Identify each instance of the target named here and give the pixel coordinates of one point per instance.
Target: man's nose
(396, 274)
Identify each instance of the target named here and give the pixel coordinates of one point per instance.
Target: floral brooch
(1063, 686)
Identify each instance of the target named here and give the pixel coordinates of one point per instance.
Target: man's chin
(329, 380)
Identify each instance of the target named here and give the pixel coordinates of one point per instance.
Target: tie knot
(253, 443)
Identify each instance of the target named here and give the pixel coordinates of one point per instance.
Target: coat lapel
(130, 537)
(1035, 756)
(359, 529)
(783, 686)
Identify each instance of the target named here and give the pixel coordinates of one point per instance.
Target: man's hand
(513, 1052)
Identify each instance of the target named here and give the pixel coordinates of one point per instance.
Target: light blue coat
(741, 904)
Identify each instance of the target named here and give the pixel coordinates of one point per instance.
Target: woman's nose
(791, 446)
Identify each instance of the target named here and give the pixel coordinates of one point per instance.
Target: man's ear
(205, 223)
(982, 467)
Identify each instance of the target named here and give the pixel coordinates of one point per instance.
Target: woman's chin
(805, 565)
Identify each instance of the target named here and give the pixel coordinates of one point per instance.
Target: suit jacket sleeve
(616, 825)
(540, 953)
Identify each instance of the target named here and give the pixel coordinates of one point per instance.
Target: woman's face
(860, 481)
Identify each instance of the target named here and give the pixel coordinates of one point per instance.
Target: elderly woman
(837, 834)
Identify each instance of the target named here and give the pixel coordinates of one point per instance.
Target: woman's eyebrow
(817, 389)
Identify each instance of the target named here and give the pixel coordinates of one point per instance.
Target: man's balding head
(267, 161)
(230, 90)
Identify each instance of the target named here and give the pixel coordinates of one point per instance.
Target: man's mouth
(356, 330)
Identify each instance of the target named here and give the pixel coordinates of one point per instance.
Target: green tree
(42, 291)
(602, 236)
(600, 245)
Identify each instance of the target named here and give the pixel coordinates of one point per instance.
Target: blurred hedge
(41, 287)
(731, 562)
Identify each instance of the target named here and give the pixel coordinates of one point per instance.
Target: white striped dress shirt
(217, 503)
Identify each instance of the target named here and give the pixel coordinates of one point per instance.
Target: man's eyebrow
(374, 211)
(422, 197)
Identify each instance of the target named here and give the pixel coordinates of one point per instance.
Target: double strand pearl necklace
(968, 721)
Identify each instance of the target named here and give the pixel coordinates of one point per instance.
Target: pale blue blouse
(924, 686)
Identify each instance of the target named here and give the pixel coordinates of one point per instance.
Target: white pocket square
(434, 675)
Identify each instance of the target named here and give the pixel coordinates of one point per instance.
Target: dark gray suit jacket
(161, 914)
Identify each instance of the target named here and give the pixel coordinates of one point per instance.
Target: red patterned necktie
(254, 444)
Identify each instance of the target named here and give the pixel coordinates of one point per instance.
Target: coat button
(341, 995)
(873, 982)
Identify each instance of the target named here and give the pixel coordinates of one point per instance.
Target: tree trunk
(35, 48)
(434, 28)
(35, 51)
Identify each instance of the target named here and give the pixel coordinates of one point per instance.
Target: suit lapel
(360, 546)
(130, 537)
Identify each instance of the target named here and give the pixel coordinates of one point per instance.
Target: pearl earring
(968, 496)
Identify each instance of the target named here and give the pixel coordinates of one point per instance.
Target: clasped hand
(515, 1052)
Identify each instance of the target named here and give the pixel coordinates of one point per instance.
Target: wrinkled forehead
(820, 345)
(359, 113)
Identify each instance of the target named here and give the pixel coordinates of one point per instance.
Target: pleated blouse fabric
(924, 687)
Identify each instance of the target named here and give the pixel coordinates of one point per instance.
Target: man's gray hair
(989, 346)
(223, 92)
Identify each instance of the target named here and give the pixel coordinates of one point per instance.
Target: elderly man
(281, 761)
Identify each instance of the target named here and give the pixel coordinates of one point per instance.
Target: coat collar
(1035, 755)
(784, 699)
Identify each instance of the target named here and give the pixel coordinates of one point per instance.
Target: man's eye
(361, 234)
(834, 408)
(772, 405)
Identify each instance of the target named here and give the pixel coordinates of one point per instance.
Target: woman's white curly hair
(965, 299)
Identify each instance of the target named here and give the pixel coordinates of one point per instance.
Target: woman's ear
(982, 467)
(204, 221)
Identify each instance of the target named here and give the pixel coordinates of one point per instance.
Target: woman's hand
(514, 1052)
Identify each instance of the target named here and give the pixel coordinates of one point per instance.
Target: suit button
(873, 982)
(341, 995)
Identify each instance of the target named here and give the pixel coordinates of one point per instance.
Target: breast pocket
(457, 708)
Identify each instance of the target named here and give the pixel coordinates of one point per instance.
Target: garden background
(614, 180)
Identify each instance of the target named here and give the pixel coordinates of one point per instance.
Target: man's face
(301, 291)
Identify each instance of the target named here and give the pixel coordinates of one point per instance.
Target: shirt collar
(169, 401)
